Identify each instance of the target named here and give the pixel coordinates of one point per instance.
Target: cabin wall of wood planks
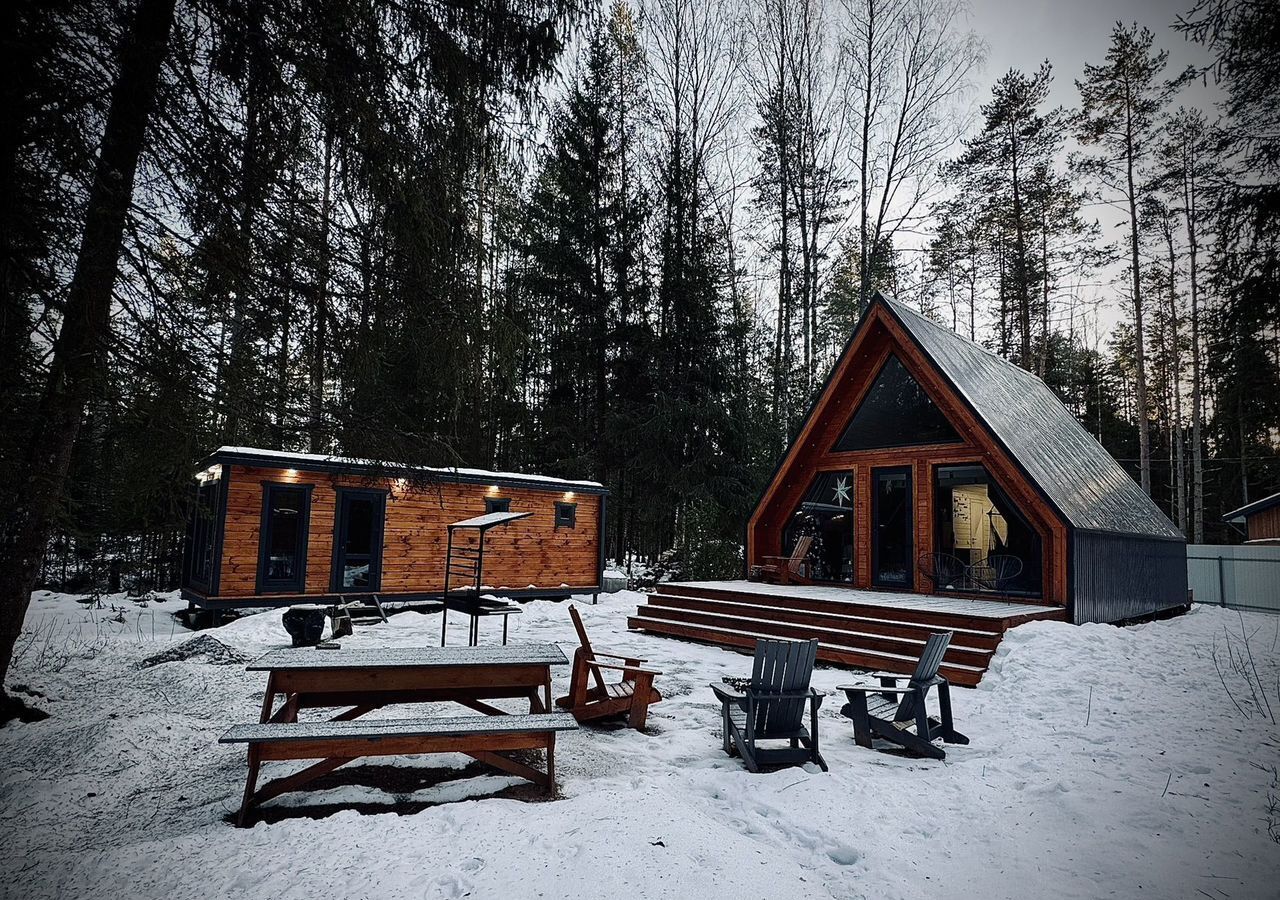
(528, 553)
(811, 453)
(1264, 525)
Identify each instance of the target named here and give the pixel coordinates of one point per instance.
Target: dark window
(566, 515)
(896, 412)
(497, 504)
(282, 563)
(976, 522)
(357, 540)
(825, 515)
(891, 542)
(202, 534)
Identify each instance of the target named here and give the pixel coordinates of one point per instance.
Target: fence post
(1222, 584)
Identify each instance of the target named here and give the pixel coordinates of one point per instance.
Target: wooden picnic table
(362, 680)
(368, 679)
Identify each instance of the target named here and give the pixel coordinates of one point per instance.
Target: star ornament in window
(842, 491)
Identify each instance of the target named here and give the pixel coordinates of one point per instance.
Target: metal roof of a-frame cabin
(1080, 478)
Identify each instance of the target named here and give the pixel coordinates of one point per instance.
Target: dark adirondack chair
(590, 697)
(898, 714)
(771, 707)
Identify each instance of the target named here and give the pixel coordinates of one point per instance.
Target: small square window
(566, 515)
(497, 504)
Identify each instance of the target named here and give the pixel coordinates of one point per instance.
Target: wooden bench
(336, 743)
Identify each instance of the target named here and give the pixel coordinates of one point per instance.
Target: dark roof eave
(386, 470)
(1250, 509)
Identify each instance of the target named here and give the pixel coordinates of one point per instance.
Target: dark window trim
(379, 496)
(876, 472)
(491, 504)
(571, 521)
(298, 584)
(212, 533)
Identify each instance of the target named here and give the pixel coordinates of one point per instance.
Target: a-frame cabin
(935, 484)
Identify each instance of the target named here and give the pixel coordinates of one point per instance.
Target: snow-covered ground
(1104, 762)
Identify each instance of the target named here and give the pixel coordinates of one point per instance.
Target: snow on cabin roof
(1078, 475)
(329, 461)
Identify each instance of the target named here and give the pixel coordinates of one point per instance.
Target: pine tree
(1122, 102)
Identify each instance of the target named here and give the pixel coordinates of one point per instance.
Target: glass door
(357, 562)
(891, 543)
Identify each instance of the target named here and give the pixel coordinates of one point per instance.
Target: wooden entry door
(892, 546)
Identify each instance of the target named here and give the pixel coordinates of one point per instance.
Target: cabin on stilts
(934, 484)
(272, 528)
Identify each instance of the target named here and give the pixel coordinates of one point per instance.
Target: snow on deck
(985, 609)
(1105, 762)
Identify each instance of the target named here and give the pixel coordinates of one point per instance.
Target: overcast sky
(1069, 33)
(1023, 33)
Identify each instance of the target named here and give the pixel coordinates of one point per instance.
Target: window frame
(788, 529)
(892, 360)
(202, 532)
(1008, 508)
(491, 504)
(572, 519)
(876, 474)
(376, 544)
(298, 583)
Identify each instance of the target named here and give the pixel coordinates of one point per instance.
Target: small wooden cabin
(275, 528)
(922, 443)
(1261, 520)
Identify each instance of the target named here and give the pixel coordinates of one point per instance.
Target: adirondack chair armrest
(813, 695)
(628, 660)
(726, 694)
(618, 668)
(875, 688)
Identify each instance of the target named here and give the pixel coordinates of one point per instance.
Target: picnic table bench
(363, 680)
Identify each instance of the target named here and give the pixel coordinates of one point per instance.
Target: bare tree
(909, 63)
(1187, 164)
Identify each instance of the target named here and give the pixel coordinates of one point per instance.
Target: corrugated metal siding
(1082, 480)
(1118, 577)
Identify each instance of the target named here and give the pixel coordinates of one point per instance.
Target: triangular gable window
(896, 412)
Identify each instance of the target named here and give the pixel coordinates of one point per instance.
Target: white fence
(1242, 577)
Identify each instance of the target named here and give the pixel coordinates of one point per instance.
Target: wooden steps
(854, 628)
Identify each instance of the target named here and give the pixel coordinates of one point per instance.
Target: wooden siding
(811, 453)
(529, 553)
(1264, 525)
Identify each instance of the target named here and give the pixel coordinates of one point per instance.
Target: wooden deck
(863, 629)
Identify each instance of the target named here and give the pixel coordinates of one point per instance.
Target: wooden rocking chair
(791, 569)
(590, 697)
(898, 714)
